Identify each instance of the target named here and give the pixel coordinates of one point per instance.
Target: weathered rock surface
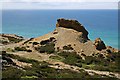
(99, 44)
(10, 38)
(70, 32)
(72, 24)
(69, 37)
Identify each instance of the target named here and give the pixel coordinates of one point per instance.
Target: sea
(34, 23)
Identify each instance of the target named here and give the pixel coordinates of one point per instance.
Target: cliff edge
(72, 24)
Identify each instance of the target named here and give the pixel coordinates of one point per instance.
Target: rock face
(99, 44)
(71, 32)
(68, 32)
(72, 24)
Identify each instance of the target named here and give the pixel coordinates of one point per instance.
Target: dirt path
(56, 64)
(21, 64)
(32, 55)
(90, 72)
(111, 74)
(60, 65)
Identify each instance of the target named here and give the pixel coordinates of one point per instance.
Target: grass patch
(22, 49)
(12, 72)
(42, 70)
(10, 50)
(56, 57)
(4, 42)
(110, 63)
(71, 58)
(48, 48)
(15, 40)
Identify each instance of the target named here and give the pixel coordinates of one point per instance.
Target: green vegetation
(56, 57)
(71, 58)
(13, 39)
(28, 77)
(22, 49)
(38, 69)
(42, 69)
(98, 62)
(48, 48)
(78, 64)
(10, 50)
(110, 63)
(3, 42)
(12, 72)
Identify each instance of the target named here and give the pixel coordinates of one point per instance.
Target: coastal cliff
(71, 32)
(66, 52)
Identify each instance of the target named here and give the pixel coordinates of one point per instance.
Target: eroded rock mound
(10, 38)
(99, 44)
(72, 24)
(69, 32)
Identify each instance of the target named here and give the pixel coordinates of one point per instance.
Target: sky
(59, 4)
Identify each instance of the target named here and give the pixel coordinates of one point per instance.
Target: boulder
(99, 44)
(72, 24)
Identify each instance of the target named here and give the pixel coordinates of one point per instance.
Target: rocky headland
(67, 49)
(71, 32)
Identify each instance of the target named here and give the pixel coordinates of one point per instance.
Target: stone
(72, 24)
(99, 44)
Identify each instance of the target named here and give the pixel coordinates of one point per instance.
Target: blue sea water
(34, 23)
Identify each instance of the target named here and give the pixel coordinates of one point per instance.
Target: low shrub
(70, 57)
(6, 61)
(4, 42)
(20, 48)
(12, 72)
(101, 68)
(13, 39)
(110, 63)
(9, 50)
(35, 43)
(55, 57)
(88, 60)
(42, 70)
(48, 48)
(78, 64)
